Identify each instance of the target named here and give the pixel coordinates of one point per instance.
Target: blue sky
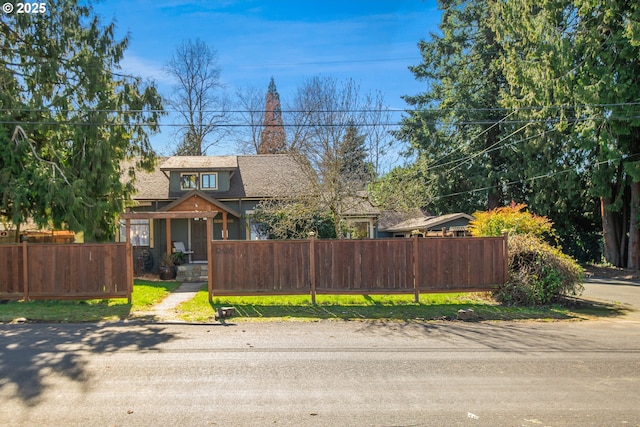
(371, 41)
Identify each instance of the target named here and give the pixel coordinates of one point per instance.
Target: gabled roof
(360, 205)
(195, 201)
(254, 177)
(199, 163)
(423, 222)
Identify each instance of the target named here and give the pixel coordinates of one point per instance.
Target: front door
(199, 239)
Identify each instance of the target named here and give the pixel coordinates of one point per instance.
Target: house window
(188, 181)
(140, 234)
(209, 181)
(360, 230)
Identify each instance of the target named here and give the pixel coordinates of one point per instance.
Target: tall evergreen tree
(353, 168)
(68, 120)
(455, 124)
(273, 138)
(577, 63)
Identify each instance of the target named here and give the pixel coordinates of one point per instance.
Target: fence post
(416, 260)
(312, 266)
(25, 270)
(129, 257)
(505, 250)
(210, 257)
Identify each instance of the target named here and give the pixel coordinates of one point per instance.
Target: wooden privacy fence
(418, 265)
(65, 271)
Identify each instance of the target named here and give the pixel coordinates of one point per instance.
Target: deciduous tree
(198, 97)
(330, 119)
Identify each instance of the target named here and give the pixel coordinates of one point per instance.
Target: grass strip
(145, 295)
(394, 307)
(296, 307)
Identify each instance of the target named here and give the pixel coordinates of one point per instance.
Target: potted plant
(178, 258)
(167, 267)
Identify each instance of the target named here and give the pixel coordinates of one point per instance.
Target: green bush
(539, 274)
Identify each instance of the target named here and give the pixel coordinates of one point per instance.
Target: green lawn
(344, 307)
(398, 307)
(145, 295)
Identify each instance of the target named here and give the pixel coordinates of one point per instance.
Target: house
(174, 201)
(396, 224)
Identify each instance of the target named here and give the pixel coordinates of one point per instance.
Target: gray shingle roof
(198, 163)
(418, 222)
(255, 177)
(271, 175)
(152, 185)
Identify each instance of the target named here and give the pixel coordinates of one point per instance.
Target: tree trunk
(610, 224)
(633, 260)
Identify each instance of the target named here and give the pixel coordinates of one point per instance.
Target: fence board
(357, 266)
(364, 266)
(64, 271)
(77, 271)
(11, 272)
(460, 264)
(274, 267)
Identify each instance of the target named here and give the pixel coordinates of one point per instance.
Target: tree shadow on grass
(31, 352)
(423, 311)
(371, 308)
(66, 311)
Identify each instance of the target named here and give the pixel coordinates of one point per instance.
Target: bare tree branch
(198, 97)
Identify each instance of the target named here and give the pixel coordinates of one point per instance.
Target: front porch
(200, 210)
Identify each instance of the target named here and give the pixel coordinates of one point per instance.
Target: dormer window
(188, 181)
(209, 181)
(202, 181)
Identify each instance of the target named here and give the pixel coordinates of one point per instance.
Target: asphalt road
(324, 373)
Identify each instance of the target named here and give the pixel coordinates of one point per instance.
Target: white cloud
(145, 68)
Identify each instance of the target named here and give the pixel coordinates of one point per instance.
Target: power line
(326, 111)
(318, 125)
(522, 181)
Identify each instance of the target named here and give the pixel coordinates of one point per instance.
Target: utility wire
(320, 125)
(522, 181)
(326, 111)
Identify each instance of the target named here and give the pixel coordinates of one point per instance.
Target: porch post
(168, 231)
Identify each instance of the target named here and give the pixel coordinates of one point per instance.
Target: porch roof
(197, 201)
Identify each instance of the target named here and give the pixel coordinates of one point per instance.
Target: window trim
(136, 224)
(191, 182)
(202, 175)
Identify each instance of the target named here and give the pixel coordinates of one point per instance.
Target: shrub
(513, 219)
(539, 274)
